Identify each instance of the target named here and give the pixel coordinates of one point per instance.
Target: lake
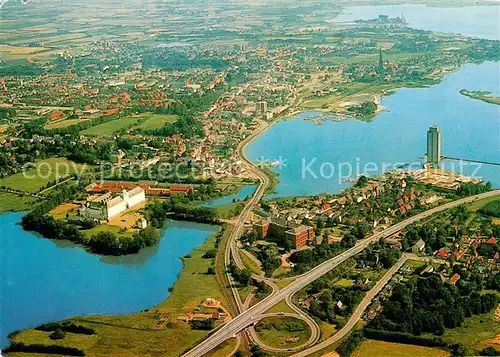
(470, 129)
(44, 280)
(472, 21)
(245, 191)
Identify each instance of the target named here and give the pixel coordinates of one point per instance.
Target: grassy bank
(10, 202)
(274, 179)
(250, 264)
(476, 205)
(135, 334)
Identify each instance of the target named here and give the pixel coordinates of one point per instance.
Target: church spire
(380, 60)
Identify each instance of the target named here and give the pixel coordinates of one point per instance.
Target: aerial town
(172, 178)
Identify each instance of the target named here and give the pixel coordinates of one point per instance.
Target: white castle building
(107, 207)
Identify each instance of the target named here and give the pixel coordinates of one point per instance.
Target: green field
(134, 334)
(105, 228)
(345, 283)
(282, 332)
(228, 211)
(284, 283)
(373, 348)
(476, 205)
(475, 331)
(44, 172)
(148, 121)
(224, 349)
(10, 202)
(110, 127)
(282, 306)
(319, 102)
(327, 330)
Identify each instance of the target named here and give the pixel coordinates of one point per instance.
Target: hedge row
(66, 327)
(52, 349)
(401, 337)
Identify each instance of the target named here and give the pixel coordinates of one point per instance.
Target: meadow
(110, 127)
(11, 202)
(37, 177)
(282, 332)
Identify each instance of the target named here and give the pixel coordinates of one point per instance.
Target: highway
(247, 317)
(230, 248)
(313, 338)
(299, 314)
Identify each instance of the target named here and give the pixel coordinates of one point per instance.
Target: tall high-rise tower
(434, 145)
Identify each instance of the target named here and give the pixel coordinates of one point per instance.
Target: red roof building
(56, 115)
(454, 279)
(442, 253)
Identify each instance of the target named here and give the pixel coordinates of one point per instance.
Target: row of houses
(118, 186)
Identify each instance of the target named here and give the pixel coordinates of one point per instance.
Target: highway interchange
(249, 316)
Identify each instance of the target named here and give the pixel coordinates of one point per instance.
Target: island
(484, 96)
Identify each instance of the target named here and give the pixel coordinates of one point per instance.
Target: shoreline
(190, 261)
(437, 76)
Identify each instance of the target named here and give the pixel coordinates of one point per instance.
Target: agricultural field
(61, 211)
(134, 334)
(45, 171)
(373, 348)
(14, 52)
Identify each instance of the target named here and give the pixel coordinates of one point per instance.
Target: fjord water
(470, 129)
(43, 280)
(472, 21)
